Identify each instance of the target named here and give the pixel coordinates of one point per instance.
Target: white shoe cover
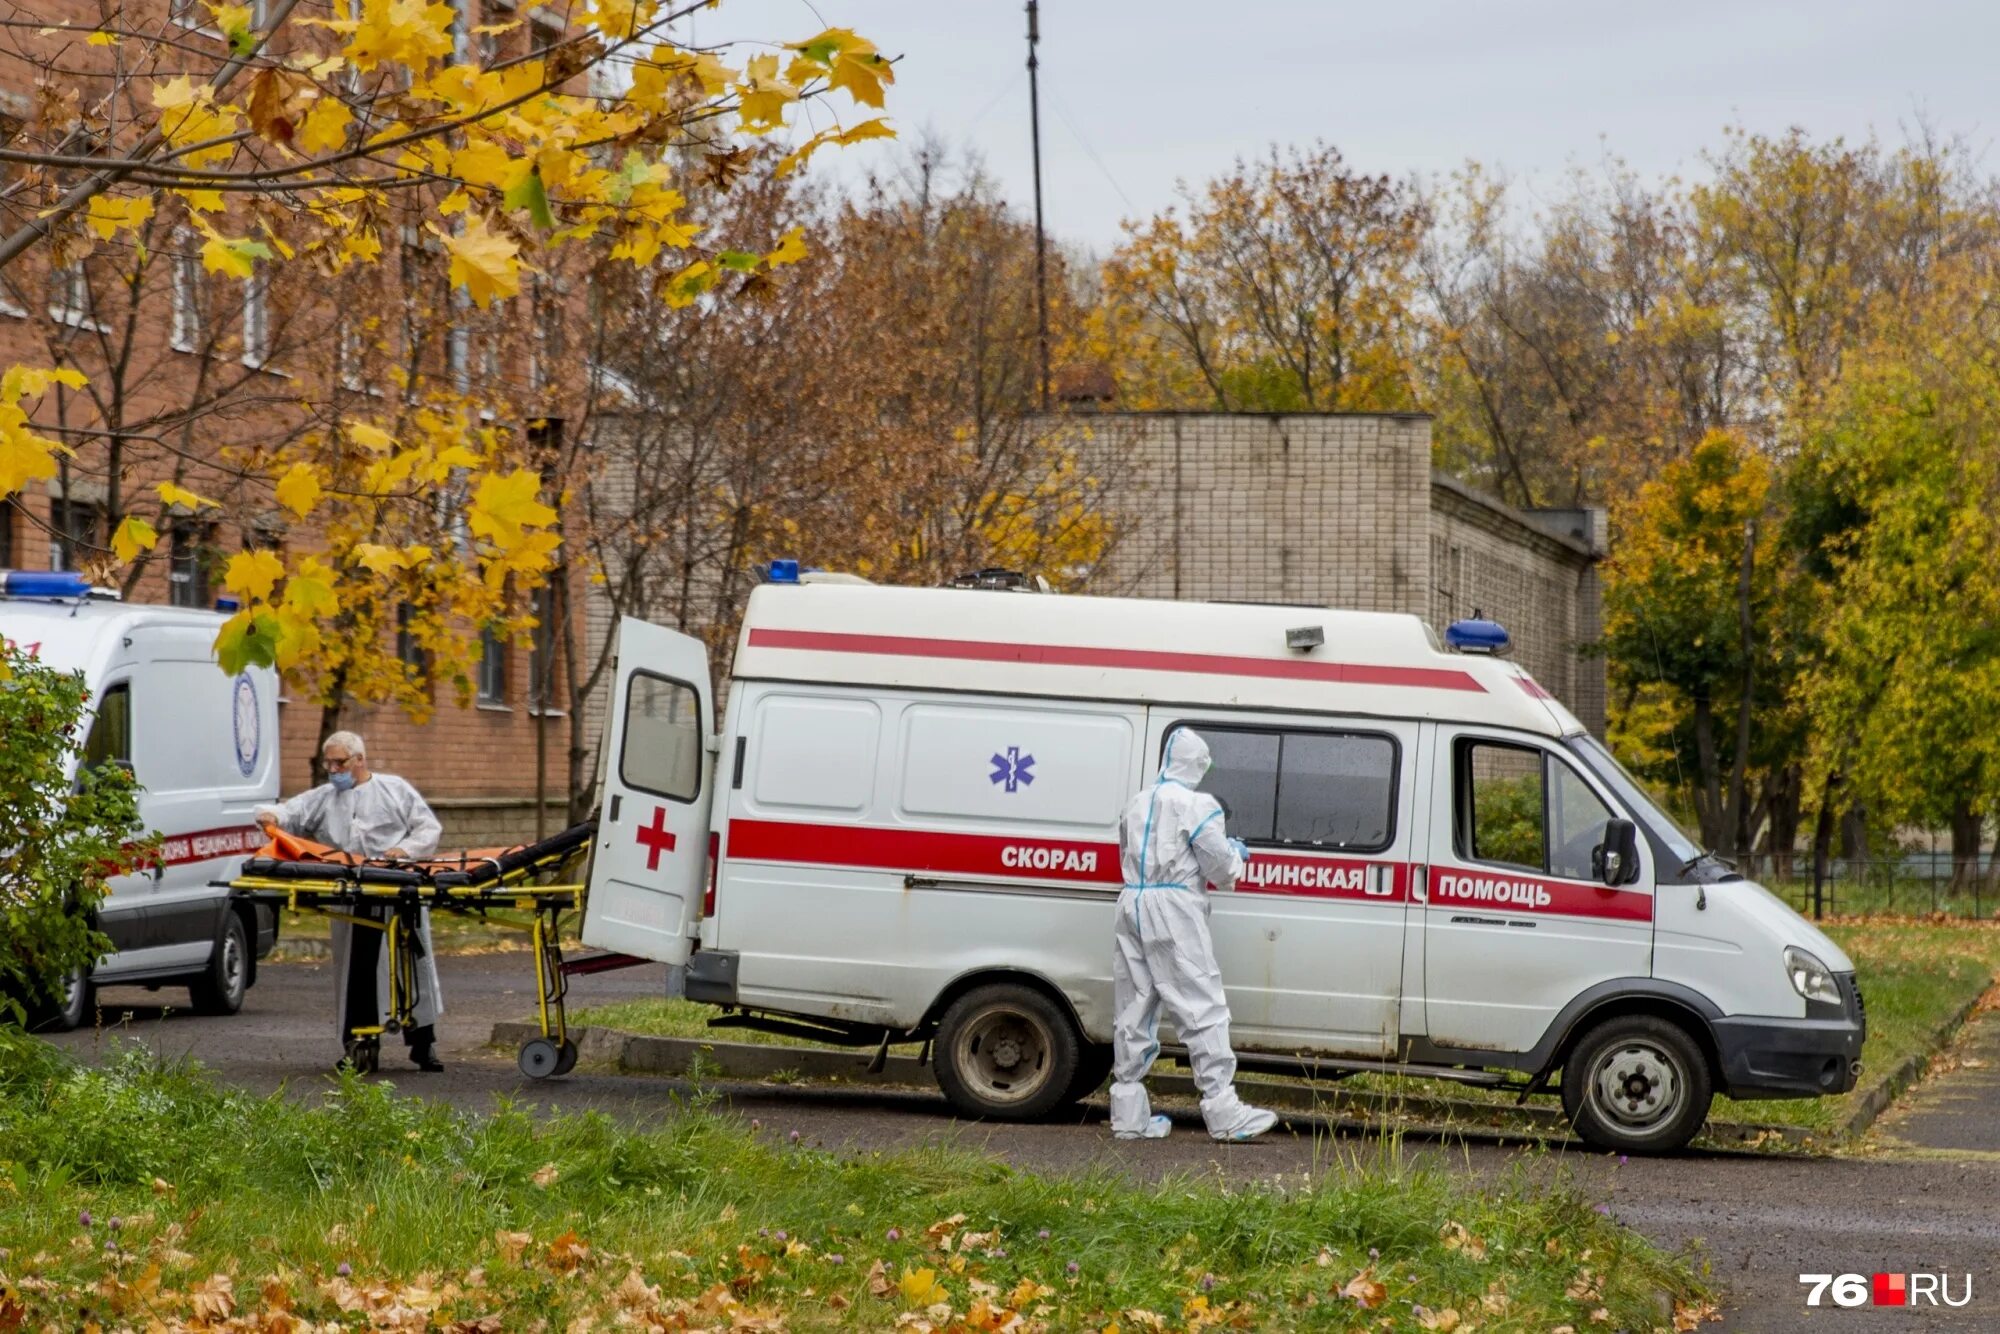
(1157, 1128)
(1254, 1122)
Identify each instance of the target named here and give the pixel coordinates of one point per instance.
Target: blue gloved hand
(1242, 849)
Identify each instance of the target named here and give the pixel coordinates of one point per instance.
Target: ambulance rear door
(650, 861)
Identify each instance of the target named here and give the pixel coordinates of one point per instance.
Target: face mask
(342, 781)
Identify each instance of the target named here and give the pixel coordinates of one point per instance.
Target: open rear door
(650, 863)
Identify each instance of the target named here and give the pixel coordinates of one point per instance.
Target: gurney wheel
(541, 1058)
(365, 1055)
(565, 1057)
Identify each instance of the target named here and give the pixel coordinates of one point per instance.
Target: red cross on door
(655, 838)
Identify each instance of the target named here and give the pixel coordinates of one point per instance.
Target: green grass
(1915, 976)
(226, 1202)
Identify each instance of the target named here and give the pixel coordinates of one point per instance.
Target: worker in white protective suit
(371, 815)
(1171, 846)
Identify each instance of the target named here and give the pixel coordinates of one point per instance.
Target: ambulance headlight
(1811, 978)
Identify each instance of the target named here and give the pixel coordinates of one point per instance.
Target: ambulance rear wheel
(1637, 1084)
(70, 1009)
(1007, 1052)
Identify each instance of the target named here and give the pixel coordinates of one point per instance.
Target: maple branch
(84, 191)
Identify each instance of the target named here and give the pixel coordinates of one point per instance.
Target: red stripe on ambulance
(1530, 894)
(920, 850)
(1125, 659)
(207, 845)
(1326, 878)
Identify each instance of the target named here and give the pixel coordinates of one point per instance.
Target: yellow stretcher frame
(336, 897)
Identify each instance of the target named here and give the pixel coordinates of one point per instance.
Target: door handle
(615, 796)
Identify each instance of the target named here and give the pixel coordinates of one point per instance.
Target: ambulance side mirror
(1616, 859)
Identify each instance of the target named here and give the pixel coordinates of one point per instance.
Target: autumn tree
(1287, 286)
(372, 135)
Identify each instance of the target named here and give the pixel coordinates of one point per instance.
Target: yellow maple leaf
(504, 505)
(397, 32)
(873, 128)
(24, 456)
(27, 381)
(202, 201)
(309, 591)
(484, 262)
(921, 1288)
(372, 438)
(252, 573)
(373, 556)
(235, 256)
(170, 494)
(791, 248)
(324, 129)
(134, 535)
(111, 214)
(299, 489)
(102, 39)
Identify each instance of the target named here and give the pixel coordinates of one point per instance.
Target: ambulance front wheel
(1006, 1052)
(1637, 1084)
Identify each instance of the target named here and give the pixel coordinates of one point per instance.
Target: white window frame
(76, 308)
(257, 320)
(186, 277)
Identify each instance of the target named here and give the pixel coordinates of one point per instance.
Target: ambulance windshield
(1647, 811)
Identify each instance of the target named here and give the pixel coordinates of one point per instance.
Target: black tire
(72, 1012)
(566, 1054)
(1006, 1052)
(221, 987)
(1637, 1084)
(1093, 1067)
(364, 1055)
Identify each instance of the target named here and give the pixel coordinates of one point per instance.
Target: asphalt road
(1925, 1197)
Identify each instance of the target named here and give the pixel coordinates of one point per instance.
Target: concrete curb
(1879, 1099)
(631, 1053)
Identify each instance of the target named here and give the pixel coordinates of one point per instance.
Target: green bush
(64, 828)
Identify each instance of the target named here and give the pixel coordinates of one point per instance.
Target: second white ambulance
(905, 829)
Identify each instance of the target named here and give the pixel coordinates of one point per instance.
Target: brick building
(1345, 510)
(192, 372)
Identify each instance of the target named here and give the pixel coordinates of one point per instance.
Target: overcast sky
(1137, 94)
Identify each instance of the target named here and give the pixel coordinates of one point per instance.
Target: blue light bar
(1479, 636)
(228, 604)
(782, 572)
(43, 584)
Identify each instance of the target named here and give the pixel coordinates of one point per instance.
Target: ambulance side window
(1304, 788)
(110, 740)
(660, 751)
(1244, 779)
(1500, 804)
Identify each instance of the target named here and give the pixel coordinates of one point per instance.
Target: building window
(492, 668)
(6, 534)
(69, 296)
(257, 319)
(351, 359)
(545, 31)
(407, 649)
(187, 293)
(191, 548)
(542, 659)
(73, 534)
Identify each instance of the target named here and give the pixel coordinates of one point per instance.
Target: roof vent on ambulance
(1006, 581)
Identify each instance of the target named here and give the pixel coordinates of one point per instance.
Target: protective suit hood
(1187, 758)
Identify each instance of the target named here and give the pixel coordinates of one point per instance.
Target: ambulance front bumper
(1794, 1058)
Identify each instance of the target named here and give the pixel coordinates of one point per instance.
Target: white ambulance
(204, 748)
(905, 829)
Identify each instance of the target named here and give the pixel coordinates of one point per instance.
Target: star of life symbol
(1013, 769)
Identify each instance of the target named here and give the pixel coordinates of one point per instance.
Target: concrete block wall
(1536, 579)
(1319, 510)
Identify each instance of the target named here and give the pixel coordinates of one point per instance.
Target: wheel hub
(1638, 1085)
(1007, 1053)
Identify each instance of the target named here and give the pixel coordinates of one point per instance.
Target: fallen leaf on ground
(1365, 1290)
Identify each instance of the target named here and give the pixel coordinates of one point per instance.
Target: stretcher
(527, 888)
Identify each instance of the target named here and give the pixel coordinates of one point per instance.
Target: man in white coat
(370, 815)
(1172, 847)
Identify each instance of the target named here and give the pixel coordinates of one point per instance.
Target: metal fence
(1913, 884)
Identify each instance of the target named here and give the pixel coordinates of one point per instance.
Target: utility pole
(1041, 245)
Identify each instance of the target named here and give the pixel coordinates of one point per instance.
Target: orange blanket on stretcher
(291, 848)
